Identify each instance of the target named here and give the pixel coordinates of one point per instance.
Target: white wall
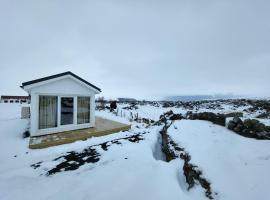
(62, 87)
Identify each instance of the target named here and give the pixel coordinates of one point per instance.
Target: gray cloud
(139, 48)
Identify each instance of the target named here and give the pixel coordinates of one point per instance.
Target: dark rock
(168, 104)
(264, 115)
(249, 128)
(170, 116)
(239, 128)
(26, 134)
(254, 125)
(234, 114)
(176, 117)
(231, 125)
(36, 165)
(208, 116)
(237, 120)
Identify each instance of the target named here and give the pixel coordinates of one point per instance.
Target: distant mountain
(197, 97)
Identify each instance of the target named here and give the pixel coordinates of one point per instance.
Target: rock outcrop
(219, 119)
(264, 115)
(249, 128)
(234, 114)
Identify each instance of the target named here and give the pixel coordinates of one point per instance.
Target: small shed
(61, 102)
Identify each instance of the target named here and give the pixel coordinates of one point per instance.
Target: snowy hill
(131, 164)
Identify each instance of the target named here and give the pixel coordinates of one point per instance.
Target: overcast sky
(139, 48)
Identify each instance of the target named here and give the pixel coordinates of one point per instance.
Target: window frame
(89, 116)
(38, 113)
(59, 127)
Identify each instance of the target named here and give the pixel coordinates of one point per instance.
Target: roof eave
(27, 85)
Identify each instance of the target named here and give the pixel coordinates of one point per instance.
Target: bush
(113, 105)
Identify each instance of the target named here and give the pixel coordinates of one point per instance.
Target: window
(67, 110)
(47, 112)
(5, 101)
(83, 110)
(11, 101)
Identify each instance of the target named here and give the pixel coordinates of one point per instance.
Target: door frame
(74, 110)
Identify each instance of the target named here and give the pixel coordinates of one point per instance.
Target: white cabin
(61, 102)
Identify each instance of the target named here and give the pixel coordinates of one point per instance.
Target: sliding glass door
(67, 110)
(55, 111)
(47, 112)
(83, 110)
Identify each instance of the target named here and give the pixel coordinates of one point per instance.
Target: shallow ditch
(157, 151)
(172, 151)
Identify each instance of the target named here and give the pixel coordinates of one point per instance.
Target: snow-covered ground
(237, 167)
(152, 112)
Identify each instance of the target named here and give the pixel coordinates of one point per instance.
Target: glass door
(67, 110)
